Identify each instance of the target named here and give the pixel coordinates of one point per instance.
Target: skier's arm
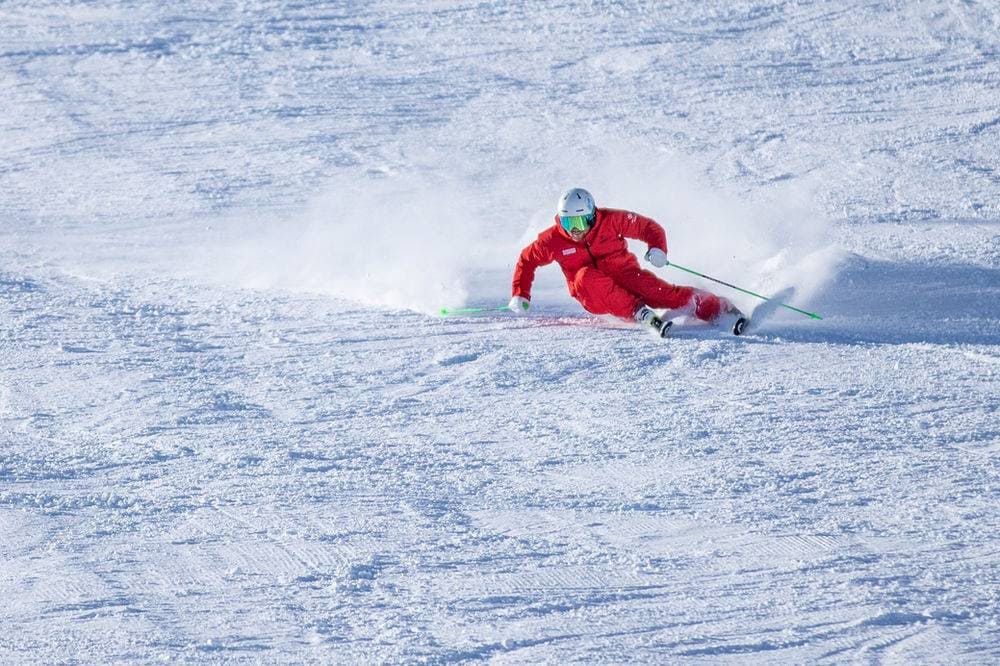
(633, 225)
(531, 258)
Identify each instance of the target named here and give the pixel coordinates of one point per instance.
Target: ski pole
(745, 291)
(446, 312)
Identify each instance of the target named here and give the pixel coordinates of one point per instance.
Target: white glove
(519, 305)
(657, 257)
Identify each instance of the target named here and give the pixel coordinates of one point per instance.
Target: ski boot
(647, 317)
(742, 320)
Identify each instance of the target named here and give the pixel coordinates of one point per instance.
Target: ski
(738, 327)
(664, 328)
(647, 317)
(659, 326)
(763, 311)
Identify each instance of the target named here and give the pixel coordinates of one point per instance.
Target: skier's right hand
(657, 257)
(519, 305)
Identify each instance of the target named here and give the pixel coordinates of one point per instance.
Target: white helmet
(576, 201)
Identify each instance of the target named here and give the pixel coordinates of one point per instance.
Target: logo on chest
(568, 251)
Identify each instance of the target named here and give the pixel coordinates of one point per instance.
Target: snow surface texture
(230, 430)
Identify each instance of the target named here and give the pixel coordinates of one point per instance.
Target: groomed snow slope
(232, 429)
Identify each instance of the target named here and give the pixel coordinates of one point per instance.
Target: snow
(233, 429)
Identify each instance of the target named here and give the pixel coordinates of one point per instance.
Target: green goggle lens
(576, 222)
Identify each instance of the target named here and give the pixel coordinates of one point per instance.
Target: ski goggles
(576, 222)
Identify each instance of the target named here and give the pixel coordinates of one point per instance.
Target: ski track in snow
(197, 467)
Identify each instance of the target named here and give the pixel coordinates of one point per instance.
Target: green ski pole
(745, 291)
(447, 312)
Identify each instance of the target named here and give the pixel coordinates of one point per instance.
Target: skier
(589, 245)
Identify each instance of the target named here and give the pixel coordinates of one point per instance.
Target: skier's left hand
(657, 257)
(519, 305)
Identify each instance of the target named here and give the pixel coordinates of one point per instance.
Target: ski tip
(740, 325)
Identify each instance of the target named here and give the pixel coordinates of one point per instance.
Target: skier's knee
(707, 306)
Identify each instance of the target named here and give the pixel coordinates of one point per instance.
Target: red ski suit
(603, 275)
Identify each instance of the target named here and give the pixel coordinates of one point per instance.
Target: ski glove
(519, 305)
(657, 257)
